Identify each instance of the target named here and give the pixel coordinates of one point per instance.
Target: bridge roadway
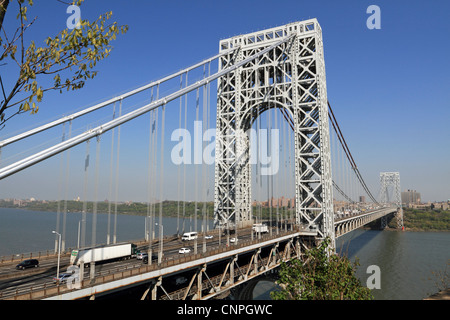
(37, 283)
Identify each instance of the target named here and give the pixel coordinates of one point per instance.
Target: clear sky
(389, 87)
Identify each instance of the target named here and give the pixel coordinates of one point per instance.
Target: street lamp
(59, 253)
(161, 233)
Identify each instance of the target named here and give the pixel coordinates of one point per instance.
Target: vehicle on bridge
(120, 251)
(145, 258)
(184, 250)
(141, 255)
(63, 277)
(189, 236)
(30, 263)
(259, 227)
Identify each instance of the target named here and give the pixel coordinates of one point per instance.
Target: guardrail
(45, 292)
(31, 255)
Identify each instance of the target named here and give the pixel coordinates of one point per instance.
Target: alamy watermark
(374, 20)
(74, 20)
(200, 148)
(374, 280)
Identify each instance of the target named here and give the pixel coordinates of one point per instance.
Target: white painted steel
(49, 152)
(289, 76)
(106, 103)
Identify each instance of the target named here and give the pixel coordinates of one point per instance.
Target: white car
(208, 237)
(233, 240)
(184, 250)
(141, 255)
(63, 278)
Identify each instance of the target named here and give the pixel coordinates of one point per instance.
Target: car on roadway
(184, 250)
(30, 263)
(141, 255)
(233, 240)
(63, 278)
(208, 237)
(145, 258)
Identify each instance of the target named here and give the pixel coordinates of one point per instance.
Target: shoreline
(199, 216)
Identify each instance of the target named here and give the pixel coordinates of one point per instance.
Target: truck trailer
(120, 251)
(259, 227)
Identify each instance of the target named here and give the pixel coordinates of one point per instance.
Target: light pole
(161, 233)
(59, 253)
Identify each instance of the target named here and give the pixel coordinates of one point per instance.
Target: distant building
(274, 203)
(362, 199)
(410, 197)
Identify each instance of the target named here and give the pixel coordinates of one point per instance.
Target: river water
(406, 260)
(24, 231)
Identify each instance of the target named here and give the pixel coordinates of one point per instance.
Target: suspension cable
(49, 152)
(348, 153)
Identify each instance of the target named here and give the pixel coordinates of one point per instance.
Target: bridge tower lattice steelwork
(391, 179)
(289, 77)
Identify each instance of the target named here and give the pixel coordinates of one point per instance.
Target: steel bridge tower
(391, 179)
(290, 77)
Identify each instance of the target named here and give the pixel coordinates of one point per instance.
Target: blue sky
(389, 88)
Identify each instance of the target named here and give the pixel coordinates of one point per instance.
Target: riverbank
(170, 208)
(426, 220)
(413, 219)
(419, 220)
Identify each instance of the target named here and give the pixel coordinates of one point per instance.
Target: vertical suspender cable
(148, 220)
(270, 177)
(83, 218)
(111, 165)
(66, 187)
(117, 178)
(58, 210)
(196, 172)
(94, 210)
(154, 174)
(204, 187)
(276, 179)
(161, 193)
(286, 189)
(208, 113)
(179, 167)
(184, 164)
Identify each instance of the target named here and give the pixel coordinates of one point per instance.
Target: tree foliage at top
(320, 276)
(62, 62)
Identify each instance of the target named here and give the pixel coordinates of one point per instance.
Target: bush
(320, 277)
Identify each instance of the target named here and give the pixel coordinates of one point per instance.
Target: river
(24, 231)
(406, 260)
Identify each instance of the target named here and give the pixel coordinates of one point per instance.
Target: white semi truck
(120, 251)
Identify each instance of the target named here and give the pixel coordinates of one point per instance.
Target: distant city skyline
(381, 87)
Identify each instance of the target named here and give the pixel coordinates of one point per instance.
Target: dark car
(30, 263)
(145, 258)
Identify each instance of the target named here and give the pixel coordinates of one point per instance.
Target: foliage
(442, 277)
(320, 276)
(66, 59)
(169, 208)
(426, 220)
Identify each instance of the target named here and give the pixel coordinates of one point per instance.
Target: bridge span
(279, 71)
(198, 276)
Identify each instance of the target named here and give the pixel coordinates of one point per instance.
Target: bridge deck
(139, 274)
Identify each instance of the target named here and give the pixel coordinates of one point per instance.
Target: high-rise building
(410, 197)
